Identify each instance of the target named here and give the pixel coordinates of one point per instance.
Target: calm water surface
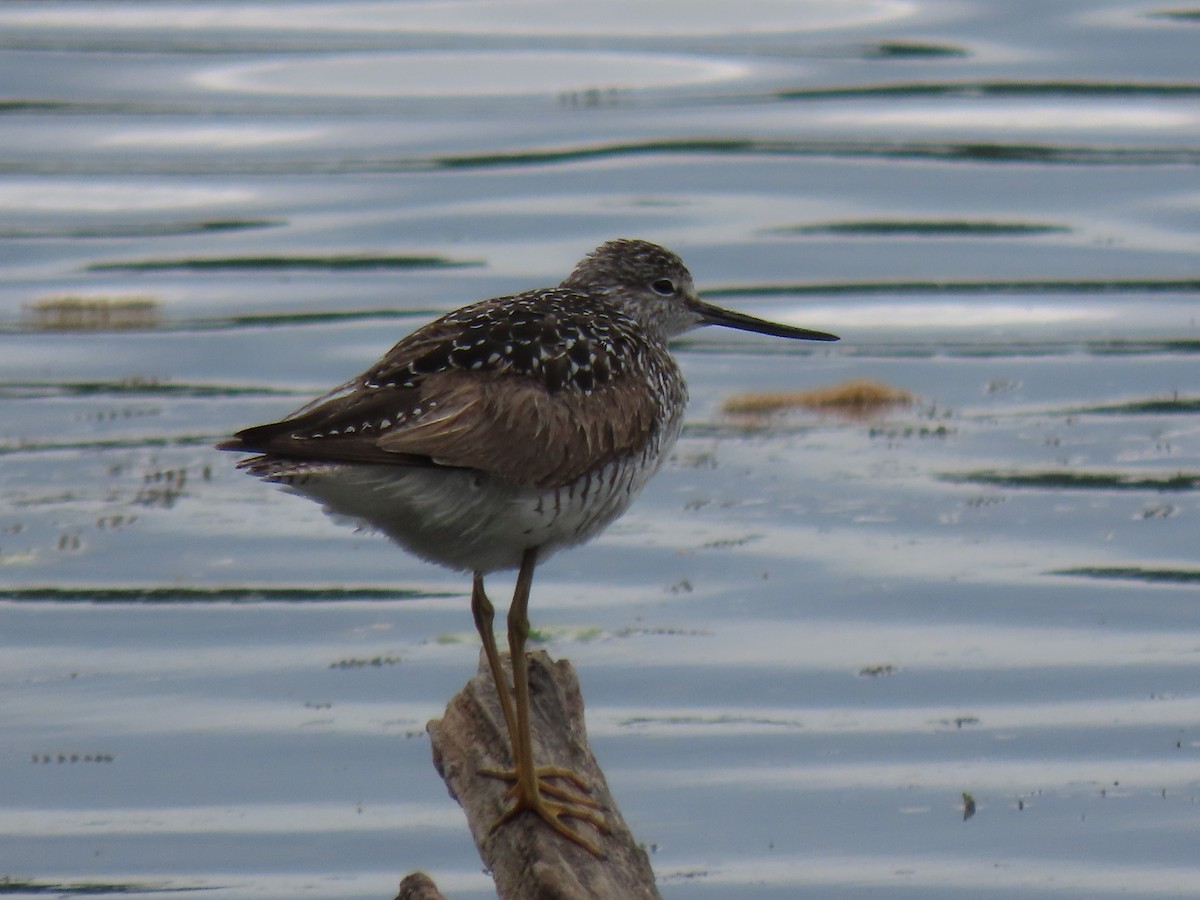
(811, 637)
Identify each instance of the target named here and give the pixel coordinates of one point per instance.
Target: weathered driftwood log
(528, 860)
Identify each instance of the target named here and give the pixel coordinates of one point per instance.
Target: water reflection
(994, 205)
(470, 75)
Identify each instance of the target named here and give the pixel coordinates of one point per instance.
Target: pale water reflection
(470, 75)
(543, 18)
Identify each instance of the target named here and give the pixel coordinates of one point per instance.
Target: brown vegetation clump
(72, 313)
(858, 398)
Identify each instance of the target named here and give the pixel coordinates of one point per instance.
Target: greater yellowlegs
(503, 432)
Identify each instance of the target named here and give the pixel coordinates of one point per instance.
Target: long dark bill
(714, 315)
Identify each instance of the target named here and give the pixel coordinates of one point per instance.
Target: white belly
(464, 519)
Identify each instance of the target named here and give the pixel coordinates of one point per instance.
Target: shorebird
(503, 432)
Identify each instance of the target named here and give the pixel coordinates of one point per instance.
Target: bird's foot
(553, 803)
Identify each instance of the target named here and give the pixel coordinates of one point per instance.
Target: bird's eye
(664, 286)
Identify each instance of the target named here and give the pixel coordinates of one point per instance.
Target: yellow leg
(528, 791)
(484, 614)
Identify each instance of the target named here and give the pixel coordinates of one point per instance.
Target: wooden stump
(419, 886)
(527, 859)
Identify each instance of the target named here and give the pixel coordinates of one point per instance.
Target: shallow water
(811, 636)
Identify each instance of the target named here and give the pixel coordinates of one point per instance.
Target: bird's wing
(514, 428)
(509, 426)
(558, 407)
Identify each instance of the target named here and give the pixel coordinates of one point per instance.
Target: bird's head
(653, 287)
